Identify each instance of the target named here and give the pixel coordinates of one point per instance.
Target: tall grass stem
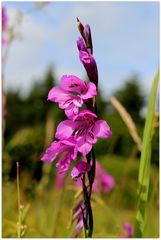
(144, 169)
(18, 201)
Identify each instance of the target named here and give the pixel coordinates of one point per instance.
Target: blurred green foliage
(31, 111)
(132, 97)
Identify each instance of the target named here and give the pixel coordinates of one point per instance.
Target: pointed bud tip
(80, 27)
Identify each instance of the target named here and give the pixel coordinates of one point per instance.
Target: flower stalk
(77, 135)
(91, 105)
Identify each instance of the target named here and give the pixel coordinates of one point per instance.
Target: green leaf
(144, 170)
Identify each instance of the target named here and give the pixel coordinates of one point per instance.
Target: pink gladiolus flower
(129, 230)
(81, 168)
(68, 147)
(71, 94)
(86, 129)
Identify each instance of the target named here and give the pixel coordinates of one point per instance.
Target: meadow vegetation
(30, 126)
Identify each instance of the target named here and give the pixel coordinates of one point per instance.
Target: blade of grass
(144, 169)
(19, 203)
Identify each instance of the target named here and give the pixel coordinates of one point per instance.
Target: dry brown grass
(128, 122)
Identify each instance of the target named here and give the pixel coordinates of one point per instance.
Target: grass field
(50, 209)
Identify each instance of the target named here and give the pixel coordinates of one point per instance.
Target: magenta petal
(83, 146)
(85, 114)
(71, 111)
(75, 152)
(91, 92)
(81, 44)
(58, 95)
(52, 152)
(70, 142)
(81, 168)
(64, 163)
(72, 83)
(90, 137)
(85, 57)
(87, 31)
(79, 213)
(101, 129)
(65, 129)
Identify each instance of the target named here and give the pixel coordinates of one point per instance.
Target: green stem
(87, 195)
(19, 204)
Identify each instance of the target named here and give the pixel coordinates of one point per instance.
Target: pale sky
(125, 39)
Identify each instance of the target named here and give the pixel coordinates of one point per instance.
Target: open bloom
(57, 148)
(86, 129)
(71, 94)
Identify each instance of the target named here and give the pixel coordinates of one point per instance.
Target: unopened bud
(85, 32)
(80, 27)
